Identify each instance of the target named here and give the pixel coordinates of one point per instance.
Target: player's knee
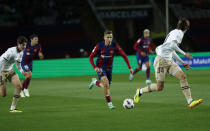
(139, 68)
(102, 85)
(108, 86)
(105, 84)
(29, 76)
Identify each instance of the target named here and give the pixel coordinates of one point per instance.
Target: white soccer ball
(128, 103)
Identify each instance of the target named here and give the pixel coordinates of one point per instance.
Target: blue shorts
(107, 73)
(141, 59)
(26, 68)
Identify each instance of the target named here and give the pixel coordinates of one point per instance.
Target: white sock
(110, 103)
(95, 82)
(189, 100)
(12, 107)
(140, 91)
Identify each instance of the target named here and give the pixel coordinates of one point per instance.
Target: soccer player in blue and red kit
(142, 48)
(105, 52)
(32, 49)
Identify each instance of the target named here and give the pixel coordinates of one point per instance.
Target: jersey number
(160, 70)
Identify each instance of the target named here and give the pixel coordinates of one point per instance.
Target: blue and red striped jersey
(29, 53)
(142, 44)
(105, 55)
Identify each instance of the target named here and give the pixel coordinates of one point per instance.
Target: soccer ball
(128, 103)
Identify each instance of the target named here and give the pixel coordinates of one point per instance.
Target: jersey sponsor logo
(94, 49)
(145, 46)
(139, 40)
(27, 53)
(104, 56)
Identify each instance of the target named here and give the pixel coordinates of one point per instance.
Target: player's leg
(149, 88)
(26, 83)
(147, 63)
(28, 74)
(97, 82)
(106, 80)
(160, 73)
(17, 84)
(139, 62)
(3, 91)
(138, 68)
(186, 89)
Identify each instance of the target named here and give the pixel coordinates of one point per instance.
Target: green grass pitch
(66, 104)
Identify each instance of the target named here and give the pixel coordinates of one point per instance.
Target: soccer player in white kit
(164, 64)
(7, 60)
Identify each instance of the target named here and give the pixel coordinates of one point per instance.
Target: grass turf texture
(58, 104)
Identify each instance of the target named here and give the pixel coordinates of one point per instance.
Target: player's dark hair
(183, 24)
(21, 40)
(108, 32)
(32, 36)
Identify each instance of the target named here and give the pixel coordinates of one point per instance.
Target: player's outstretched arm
(186, 65)
(177, 49)
(93, 53)
(40, 54)
(135, 47)
(188, 55)
(122, 53)
(174, 46)
(175, 56)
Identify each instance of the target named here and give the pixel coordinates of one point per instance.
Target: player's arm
(177, 49)
(175, 56)
(150, 50)
(8, 55)
(40, 54)
(92, 55)
(135, 47)
(122, 53)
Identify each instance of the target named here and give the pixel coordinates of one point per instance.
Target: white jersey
(170, 45)
(9, 58)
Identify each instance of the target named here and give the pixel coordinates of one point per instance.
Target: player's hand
(188, 55)
(152, 52)
(97, 70)
(131, 70)
(143, 54)
(187, 66)
(41, 56)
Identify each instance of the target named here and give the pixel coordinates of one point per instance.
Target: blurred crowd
(37, 12)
